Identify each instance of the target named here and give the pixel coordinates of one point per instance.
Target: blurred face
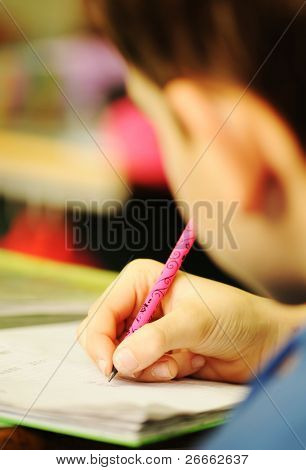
(240, 170)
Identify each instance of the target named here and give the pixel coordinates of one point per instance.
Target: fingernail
(162, 370)
(102, 366)
(197, 362)
(125, 361)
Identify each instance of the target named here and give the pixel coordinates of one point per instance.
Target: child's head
(224, 82)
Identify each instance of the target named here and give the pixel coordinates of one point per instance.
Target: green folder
(29, 283)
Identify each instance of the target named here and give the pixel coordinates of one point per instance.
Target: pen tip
(112, 375)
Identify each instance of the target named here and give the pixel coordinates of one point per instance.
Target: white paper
(46, 375)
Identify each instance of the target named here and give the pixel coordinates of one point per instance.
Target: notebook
(48, 382)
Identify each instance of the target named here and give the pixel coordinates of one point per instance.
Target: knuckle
(141, 264)
(136, 264)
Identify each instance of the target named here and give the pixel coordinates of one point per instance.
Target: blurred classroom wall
(60, 81)
(68, 131)
(56, 78)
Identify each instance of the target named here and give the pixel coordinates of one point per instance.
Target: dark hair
(171, 38)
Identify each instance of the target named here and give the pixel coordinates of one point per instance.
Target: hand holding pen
(198, 329)
(163, 283)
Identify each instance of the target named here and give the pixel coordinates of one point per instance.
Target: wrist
(291, 317)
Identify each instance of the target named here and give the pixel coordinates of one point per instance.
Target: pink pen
(163, 283)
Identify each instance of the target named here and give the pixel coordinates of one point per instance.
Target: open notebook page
(45, 375)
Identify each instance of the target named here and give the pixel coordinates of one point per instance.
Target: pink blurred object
(88, 67)
(134, 143)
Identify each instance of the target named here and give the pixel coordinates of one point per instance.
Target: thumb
(152, 341)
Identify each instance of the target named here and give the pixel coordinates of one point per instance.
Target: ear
(223, 119)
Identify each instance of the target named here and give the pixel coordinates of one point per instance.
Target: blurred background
(68, 132)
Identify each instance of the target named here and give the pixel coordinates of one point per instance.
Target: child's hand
(202, 328)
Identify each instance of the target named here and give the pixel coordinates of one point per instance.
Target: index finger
(121, 300)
